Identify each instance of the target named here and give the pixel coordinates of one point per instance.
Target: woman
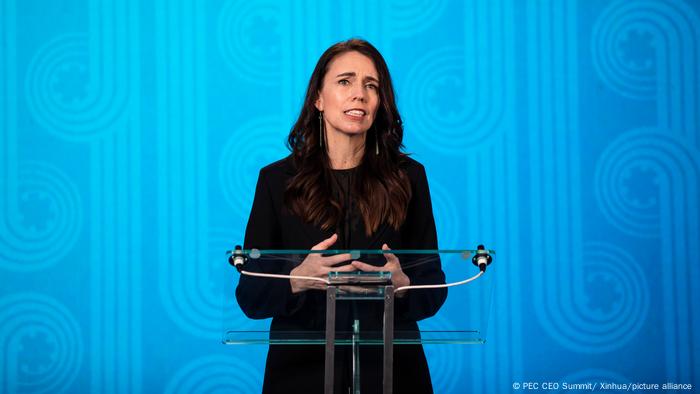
(346, 185)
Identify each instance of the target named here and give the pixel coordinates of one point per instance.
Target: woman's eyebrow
(353, 74)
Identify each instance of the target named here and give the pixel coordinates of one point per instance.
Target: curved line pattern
(639, 149)
(197, 313)
(31, 242)
(201, 296)
(624, 212)
(183, 240)
(669, 29)
(584, 327)
(250, 147)
(65, 95)
(216, 374)
(440, 121)
(30, 321)
(408, 18)
(244, 37)
(571, 322)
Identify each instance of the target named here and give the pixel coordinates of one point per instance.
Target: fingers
(344, 268)
(318, 285)
(390, 257)
(338, 258)
(326, 243)
(366, 267)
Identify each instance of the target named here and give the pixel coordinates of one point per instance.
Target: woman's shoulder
(283, 167)
(414, 169)
(407, 162)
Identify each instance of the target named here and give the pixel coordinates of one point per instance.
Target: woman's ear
(319, 102)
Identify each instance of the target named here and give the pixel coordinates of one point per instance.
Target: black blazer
(300, 368)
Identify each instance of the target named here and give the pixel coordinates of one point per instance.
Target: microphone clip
(237, 258)
(482, 258)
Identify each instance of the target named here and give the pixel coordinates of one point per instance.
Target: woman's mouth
(355, 114)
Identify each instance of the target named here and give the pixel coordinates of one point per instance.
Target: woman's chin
(354, 131)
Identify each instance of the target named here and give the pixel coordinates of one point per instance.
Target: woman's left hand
(398, 278)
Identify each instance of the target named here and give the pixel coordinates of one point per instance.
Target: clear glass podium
(365, 309)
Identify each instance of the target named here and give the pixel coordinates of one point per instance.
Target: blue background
(132, 134)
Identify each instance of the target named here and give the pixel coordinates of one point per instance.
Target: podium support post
(331, 293)
(388, 337)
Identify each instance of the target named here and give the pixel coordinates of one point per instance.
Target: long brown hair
(382, 189)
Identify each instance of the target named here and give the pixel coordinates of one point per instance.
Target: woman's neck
(345, 151)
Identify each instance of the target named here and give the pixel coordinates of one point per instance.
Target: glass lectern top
(255, 253)
(461, 319)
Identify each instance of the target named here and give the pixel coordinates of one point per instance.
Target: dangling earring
(376, 144)
(320, 128)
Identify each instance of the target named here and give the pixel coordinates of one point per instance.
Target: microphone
(237, 258)
(482, 258)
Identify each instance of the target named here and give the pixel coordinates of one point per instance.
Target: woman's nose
(358, 93)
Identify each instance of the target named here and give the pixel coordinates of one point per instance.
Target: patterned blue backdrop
(132, 133)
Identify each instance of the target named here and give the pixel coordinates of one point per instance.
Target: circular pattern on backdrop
(628, 177)
(250, 147)
(215, 374)
(48, 221)
(626, 190)
(41, 344)
(441, 113)
(445, 362)
(627, 40)
(617, 298)
(63, 96)
(410, 17)
(200, 298)
(250, 40)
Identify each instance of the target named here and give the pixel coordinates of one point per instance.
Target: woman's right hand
(319, 266)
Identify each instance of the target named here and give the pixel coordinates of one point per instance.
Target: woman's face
(350, 95)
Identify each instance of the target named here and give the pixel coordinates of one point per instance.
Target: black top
(341, 185)
(272, 226)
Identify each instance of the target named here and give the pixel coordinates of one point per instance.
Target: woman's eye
(371, 86)
(343, 82)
